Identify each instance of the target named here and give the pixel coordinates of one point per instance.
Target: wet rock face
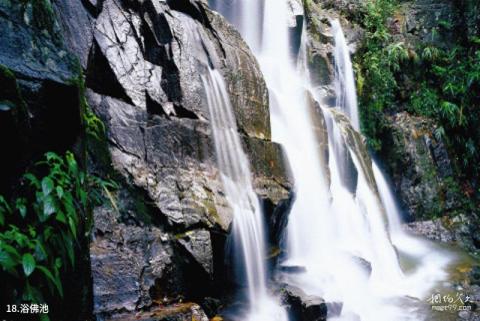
(143, 63)
(320, 42)
(34, 65)
(134, 264)
(154, 54)
(356, 142)
(162, 237)
(420, 21)
(419, 161)
(145, 74)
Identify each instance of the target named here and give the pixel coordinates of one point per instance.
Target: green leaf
(55, 280)
(59, 192)
(72, 163)
(21, 205)
(40, 252)
(47, 185)
(47, 233)
(48, 206)
(61, 217)
(83, 197)
(32, 294)
(68, 243)
(28, 263)
(6, 261)
(4, 207)
(58, 262)
(10, 249)
(32, 179)
(73, 228)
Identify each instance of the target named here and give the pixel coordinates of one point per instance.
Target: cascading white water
(337, 231)
(431, 260)
(248, 230)
(239, 13)
(345, 91)
(235, 174)
(292, 127)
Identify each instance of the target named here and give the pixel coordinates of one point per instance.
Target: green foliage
(94, 127)
(40, 228)
(379, 59)
(439, 83)
(449, 93)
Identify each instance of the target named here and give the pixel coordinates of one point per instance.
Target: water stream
(344, 78)
(247, 227)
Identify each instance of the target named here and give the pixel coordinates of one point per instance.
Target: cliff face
(162, 235)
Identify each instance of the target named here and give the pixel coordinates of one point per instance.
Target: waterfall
(343, 226)
(235, 175)
(346, 97)
(248, 229)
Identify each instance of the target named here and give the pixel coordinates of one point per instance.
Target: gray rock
(173, 160)
(320, 41)
(76, 24)
(420, 21)
(321, 132)
(31, 46)
(126, 260)
(356, 142)
(248, 91)
(292, 269)
(433, 230)
(144, 78)
(366, 265)
(37, 91)
(143, 62)
(199, 245)
(421, 167)
(177, 312)
(302, 306)
(159, 135)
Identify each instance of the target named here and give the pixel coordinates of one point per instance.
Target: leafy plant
(378, 60)
(40, 228)
(439, 83)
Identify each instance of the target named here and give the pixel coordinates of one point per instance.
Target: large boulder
(303, 307)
